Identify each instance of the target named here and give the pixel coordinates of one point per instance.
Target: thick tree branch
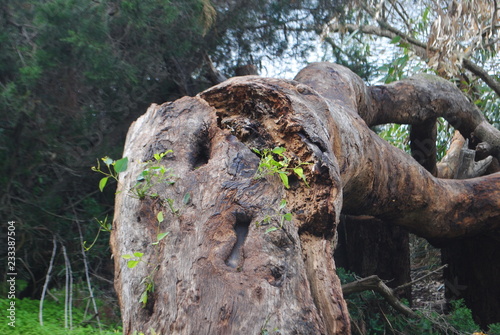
(430, 207)
(414, 101)
(454, 164)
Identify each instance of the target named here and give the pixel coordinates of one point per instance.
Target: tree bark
(218, 271)
(473, 263)
(282, 280)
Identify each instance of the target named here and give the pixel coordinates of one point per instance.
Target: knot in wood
(303, 89)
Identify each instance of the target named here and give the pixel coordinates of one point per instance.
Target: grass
(26, 320)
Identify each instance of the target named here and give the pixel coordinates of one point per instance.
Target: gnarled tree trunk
(219, 271)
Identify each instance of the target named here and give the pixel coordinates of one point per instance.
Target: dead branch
(376, 284)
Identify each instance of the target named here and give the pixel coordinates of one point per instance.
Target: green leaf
(425, 16)
(161, 236)
(287, 217)
(127, 256)
(121, 165)
(299, 171)
(108, 161)
(187, 198)
(271, 229)
(160, 217)
(282, 203)
(396, 39)
(257, 151)
(138, 254)
(284, 179)
(102, 183)
(144, 298)
(132, 264)
(171, 205)
(279, 150)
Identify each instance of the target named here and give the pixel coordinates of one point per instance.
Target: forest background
(74, 74)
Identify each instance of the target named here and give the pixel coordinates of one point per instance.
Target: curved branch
(379, 179)
(415, 101)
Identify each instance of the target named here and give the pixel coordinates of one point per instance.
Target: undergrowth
(372, 315)
(27, 323)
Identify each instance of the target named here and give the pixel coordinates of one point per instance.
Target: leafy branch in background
(104, 226)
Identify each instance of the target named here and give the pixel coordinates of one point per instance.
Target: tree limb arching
(396, 188)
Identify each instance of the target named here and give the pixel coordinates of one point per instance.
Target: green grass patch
(27, 323)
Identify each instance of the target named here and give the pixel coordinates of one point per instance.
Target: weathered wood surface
(283, 280)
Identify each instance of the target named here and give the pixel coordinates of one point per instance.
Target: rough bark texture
(218, 271)
(282, 280)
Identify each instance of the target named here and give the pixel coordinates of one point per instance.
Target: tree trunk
(218, 272)
(472, 274)
(368, 246)
(221, 270)
(473, 262)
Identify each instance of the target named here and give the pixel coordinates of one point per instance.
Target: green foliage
(399, 136)
(160, 236)
(404, 63)
(104, 225)
(149, 288)
(265, 331)
(371, 312)
(277, 219)
(396, 134)
(494, 329)
(133, 259)
(274, 161)
(136, 257)
(153, 174)
(489, 102)
(114, 169)
(27, 320)
(461, 317)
